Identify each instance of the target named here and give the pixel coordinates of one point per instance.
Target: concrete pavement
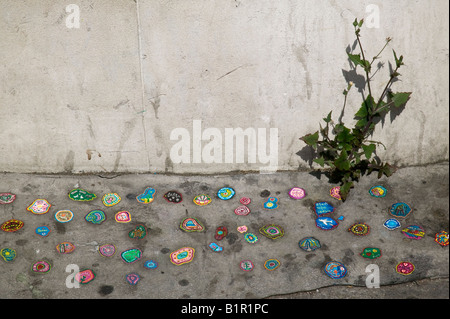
(218, 275)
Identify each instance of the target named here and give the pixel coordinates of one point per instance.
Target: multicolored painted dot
(272, 231)
(95, 217)
(191, 224)
(12, 225)
(405, 268)
(359, 229)
(182, 256)
(215, 247)
(65, 247)
(322, 208)
(147, 196)
(326, 223)
(111, 199)
(297, 193)
(242, 211)
(400, 210)
(245, 201)
(8, 254)
(7, 198)
(39, 206)
(107, 250)
(41, 266)
(64, 216)
(392, 224)
(132, 279)
(271, 203)
(335, 270)
(150, 264)
(42, 231)
(272, 264)
(309, 244)
(250, 238)
(226, 193)
(371, 253)
(242, 229)
(173, 197)
(139, 232)
(378, 191)
(131, 255)
(123, 217)
(246, 265)
(85, 276)
(81, 195)
(202, 200)
(413, 232)
(442, 238)
(221, 232)
(335, 192)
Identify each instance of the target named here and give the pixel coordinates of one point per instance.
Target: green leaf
(387, 170)
(345, 136)
(362, 112)
(320, 161)
(398, 61)
(400, 98)
(342, 163)
(381, 108)
(355, 23)
(311, 139)
(328, 118)
(361, 123)
(368, 150)
(339, 128)
(356, 59)
(345, 190)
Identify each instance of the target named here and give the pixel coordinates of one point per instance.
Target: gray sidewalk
(218, 275)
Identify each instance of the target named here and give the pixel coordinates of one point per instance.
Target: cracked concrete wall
(106, 96)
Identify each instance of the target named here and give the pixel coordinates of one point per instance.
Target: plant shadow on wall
(349, 153)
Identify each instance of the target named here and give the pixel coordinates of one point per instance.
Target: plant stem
(393, 76)
(365, 68)
(343, 109)
(376, 57)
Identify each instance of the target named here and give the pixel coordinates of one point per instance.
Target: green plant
(349, 152)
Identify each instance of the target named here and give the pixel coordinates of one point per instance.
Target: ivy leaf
(328, 118)
(368, 150)
(311, 139)
(387, 170)
(400, 98)
(361, 123)
(345, 135)
(342, 163)
(362, 112)
(339, 128)
(320, 161)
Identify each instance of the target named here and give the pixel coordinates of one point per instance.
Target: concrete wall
(105, 97)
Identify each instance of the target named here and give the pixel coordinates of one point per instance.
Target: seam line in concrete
(436, 278)
(141, 72)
